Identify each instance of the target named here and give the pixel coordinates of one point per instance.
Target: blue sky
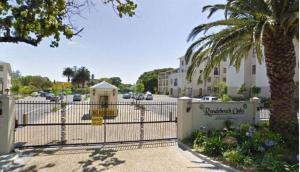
(112, 46)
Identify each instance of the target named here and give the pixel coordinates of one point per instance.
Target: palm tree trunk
(281, 62)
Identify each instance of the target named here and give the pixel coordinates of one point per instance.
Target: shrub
(225, 98)
(271, 163)
(237, 159)
(200, 139)
(214, 146)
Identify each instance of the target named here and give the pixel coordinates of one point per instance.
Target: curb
(207, 159)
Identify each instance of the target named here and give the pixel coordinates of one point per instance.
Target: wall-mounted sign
(223, 110)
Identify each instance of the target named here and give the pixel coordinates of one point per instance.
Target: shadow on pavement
(100, 160)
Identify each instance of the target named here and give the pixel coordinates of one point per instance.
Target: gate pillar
(7, 124)
(184, 117)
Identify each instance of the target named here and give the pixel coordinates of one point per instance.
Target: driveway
(143, 159)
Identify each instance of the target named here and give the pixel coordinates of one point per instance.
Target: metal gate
(42, 123)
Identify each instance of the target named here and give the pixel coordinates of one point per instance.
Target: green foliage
(140, 87)
(69, 73)
(26, 90)
(242, 89)
(150, 79)
(81, 76)
(255, 90)
(30, 21)
(214, 146)
(226, 98)
(116, 81)
(199, 138)
(261, 148)
(222, 88)
(237, 159)
(27, 84)
(272, 163)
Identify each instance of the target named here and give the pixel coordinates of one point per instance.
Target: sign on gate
(97, 121)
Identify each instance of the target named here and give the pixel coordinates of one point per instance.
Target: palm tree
(81, 76)
(68, 72)
(267, 26)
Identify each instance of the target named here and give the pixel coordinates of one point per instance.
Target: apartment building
(5, 77)
(163, 82)
(251, 73)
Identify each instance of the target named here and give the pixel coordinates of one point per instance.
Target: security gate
(42, 123)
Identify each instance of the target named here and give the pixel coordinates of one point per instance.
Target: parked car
(54, 99)
(126, 96)
(76, 97)
(49, 96)
(148, 97)
(43, 94)
(209, 99)
(34, 94)
(133, 96)
(139, 97)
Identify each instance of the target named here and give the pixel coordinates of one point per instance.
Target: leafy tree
(16, 86)
(140, 87)
(30, 21)
(69, 73)
(116, 81)
(150, 79)
(105, 79)
(221, 88)
(81, 76)
(255, 24)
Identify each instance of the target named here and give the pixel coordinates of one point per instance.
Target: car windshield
(77, 95)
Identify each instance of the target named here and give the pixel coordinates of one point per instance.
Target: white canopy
(104, 85)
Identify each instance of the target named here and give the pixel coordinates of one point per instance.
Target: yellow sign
(97, 121)
(105, 112)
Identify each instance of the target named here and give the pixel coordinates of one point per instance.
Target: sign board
(97, 121)
(214, 114)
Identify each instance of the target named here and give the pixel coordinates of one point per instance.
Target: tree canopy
(30, 21)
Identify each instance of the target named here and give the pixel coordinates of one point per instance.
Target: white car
(34, 94)
(209, 99)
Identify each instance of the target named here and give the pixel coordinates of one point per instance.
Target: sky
(111, 46)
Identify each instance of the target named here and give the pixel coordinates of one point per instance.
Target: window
(253, 69)
(225, 59)
(1, 67)
(175, 82)
(224, 79)
(208, 89)
(224, 70)
(182, 62)
(200, 71)
(216, 71)
(209, 79)
(216, 89)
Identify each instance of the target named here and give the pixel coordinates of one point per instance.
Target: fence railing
(55, 123)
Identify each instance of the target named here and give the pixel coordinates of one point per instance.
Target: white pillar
(184, 118)
(255, 113)
(7, 124)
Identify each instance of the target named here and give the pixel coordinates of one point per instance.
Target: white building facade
(251, 73)
(5, 77)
